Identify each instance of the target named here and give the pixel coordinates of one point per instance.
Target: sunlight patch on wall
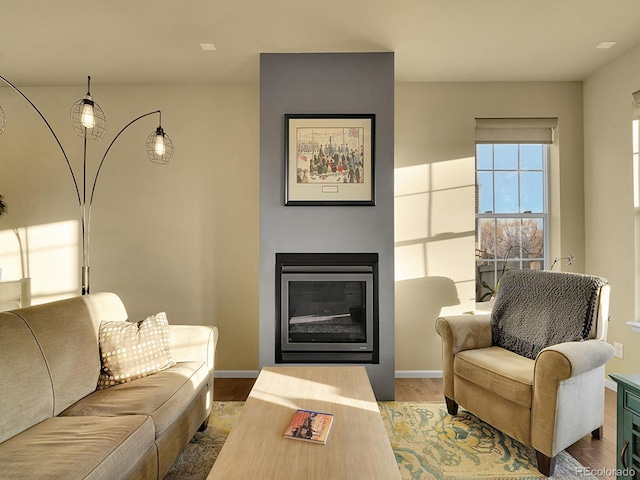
(411, 205)
(411, 217)
(434, 215)
(410, 262)
(451, 213)
(434, 199)
(411, 180)
(48, 254)
(10, 257)
(452, 174)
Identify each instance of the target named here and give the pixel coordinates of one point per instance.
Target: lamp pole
(89, 123)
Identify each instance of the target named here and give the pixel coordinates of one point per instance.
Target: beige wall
(609, 204)
(181, 238)
(434, 192)
(184, 237)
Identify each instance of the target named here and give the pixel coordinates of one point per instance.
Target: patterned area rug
(429, 444)
(196, 460)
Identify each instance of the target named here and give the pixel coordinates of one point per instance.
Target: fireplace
(326, 308)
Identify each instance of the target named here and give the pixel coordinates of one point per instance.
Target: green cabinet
(628, 426)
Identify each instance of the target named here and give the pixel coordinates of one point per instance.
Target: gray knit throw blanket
(537, 308)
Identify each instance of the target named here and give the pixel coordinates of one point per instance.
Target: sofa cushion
(535, 309)
(78, 447)
(23, 375)
(130, 351)
(67, 334)
(499, 370)
(163, 396)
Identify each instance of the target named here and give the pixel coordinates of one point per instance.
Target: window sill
(482, 308)
(635, 326)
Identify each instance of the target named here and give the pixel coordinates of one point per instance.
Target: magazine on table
(309, 426)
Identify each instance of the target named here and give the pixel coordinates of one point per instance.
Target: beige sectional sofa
(55, 424)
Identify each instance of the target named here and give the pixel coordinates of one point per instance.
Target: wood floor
(597, 455)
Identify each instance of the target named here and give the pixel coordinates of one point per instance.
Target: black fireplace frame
(329, 263)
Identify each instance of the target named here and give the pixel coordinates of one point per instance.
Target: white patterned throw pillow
(129, 351)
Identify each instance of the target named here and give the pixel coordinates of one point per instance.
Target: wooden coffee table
(357, 448)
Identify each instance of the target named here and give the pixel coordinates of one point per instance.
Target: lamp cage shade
(159, 147)
(88, 119)
(2, 120)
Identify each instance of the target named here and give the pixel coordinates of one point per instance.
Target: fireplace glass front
(326, 309)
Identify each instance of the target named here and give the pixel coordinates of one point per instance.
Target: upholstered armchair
(534, 368)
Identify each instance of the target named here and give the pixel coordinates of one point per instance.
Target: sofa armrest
(189, 343)
(568, 393)
(460, 332)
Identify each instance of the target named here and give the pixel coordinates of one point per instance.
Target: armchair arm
(464, 332)
(568, 393)
(460, 332)
(569, 359)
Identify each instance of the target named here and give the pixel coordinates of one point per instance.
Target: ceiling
(142, 41)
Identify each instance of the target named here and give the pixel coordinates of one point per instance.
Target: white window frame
(635, 149)
(517, 132)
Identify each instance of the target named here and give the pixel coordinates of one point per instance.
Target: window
(635, 136)
(511, 203)
(635, 146)
(635, 139)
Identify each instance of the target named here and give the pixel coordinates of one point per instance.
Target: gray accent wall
(326, 83)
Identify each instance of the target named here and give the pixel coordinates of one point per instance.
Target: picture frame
(329, 160)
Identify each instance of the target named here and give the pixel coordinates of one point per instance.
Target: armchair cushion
(535, 309)
(498, 370)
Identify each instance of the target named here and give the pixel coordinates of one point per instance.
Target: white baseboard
(418, 373)
(610, 384)
(235, 374)
(399, 373)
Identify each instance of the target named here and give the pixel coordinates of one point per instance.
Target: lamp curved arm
(95, 180)
(73, 176)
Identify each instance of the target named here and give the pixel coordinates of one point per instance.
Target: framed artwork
(329, 159)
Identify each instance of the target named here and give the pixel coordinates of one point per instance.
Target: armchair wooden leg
(546, 465)
(452, 406)
(204, 425)
(597, 433)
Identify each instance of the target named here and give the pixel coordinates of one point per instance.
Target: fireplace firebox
(326, 308)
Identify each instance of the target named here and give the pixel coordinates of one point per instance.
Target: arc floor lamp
(89, 123)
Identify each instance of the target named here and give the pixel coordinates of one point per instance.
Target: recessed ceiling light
(606, 44)
(207, 46)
